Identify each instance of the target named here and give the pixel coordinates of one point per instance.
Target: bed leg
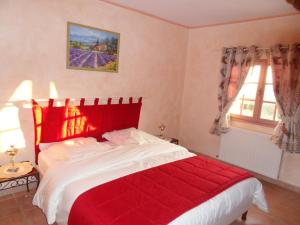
(244, 216)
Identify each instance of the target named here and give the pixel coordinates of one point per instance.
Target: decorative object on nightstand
(25, 175)
(23, 168)
(12, 152)
(161, 128)
(171, 140)
(161, 135)
(295, 3)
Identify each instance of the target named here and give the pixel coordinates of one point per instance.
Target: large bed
(76, 164)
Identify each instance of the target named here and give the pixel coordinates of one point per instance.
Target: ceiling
(199, 13)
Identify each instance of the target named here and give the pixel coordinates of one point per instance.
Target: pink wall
(33, 58)
(199, 104)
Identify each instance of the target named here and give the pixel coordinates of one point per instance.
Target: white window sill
(252, 127)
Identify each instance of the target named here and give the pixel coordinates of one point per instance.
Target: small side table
(170, 139)
(174, 141)
(31, 177)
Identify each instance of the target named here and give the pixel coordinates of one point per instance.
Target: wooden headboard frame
(58, 123)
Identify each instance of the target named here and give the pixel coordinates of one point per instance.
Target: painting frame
(111, 66)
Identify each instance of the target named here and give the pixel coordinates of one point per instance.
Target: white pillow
(131, 136)
(149, 138)
(77, 149)
(82, 140)
(123, 137)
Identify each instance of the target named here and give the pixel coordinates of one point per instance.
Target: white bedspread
(64, 182)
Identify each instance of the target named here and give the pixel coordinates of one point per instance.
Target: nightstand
(31, 177)
(170, 139)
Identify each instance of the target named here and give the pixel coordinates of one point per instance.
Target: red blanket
(155, 196)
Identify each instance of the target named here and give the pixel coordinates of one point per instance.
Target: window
(256, 102)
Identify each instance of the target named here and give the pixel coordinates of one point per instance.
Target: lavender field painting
(92, 49)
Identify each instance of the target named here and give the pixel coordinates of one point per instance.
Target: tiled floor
(284, 208)
(16, 209)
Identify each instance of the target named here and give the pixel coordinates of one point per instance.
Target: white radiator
(251, 150)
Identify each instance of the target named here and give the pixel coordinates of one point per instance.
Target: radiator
(251, 150)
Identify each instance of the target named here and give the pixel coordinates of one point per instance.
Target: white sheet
(44, 162)
(58, 190)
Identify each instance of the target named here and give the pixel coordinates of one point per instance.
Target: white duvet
(98, 164)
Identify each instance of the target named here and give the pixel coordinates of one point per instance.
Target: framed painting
(90, 48)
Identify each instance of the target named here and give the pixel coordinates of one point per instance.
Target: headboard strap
(140, 99)
(33, 102)
(67, 102)
(96, 101)
(50, 102)
(82, 100)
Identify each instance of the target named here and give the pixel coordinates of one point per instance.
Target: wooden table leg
(27, 180)
(38, 180)
(244, 216)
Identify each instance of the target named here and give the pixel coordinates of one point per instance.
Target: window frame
(255, 119)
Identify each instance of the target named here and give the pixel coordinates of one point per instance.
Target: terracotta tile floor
(284, 206)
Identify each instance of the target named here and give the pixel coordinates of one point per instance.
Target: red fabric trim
(57, 123)
(155, 196)
(82, 100)
(96, 101)
(50, 102)
(67, 102)
(37, 119)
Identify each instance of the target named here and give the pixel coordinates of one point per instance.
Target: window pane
(250, 91)
(269, 79)
(236, 107)
(253, 74)
(241, 93)
(267, 111)
(248, 108)
(269, 93)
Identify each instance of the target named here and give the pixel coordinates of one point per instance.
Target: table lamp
(161, 127)
(12, 152)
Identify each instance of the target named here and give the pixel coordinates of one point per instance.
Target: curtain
(285, 63)
(235, 66)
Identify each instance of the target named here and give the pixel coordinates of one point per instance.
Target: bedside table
(170, 139)
(31, 177)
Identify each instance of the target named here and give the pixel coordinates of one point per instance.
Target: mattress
(64, 181)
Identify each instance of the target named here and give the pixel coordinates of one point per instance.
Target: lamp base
(13, 169)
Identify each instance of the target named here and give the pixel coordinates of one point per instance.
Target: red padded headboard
(57, 123)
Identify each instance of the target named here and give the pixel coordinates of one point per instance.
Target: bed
(76, 164)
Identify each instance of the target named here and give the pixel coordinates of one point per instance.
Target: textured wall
(33, 62)
(199, 106)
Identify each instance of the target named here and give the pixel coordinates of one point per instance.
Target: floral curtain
(235, 66)
(285, 64)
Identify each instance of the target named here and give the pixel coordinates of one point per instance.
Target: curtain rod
(247, 48)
